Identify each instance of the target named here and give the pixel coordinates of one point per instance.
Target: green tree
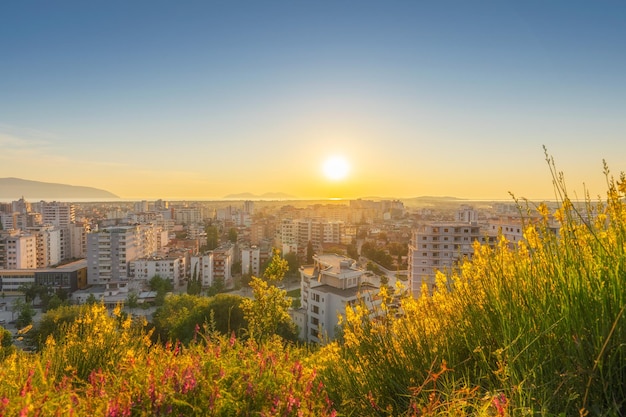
(132, 301)
(212, 237)
(91, 300)
(181, 316)
(194, 285)
(216, 287)
(6, 342)
(54, 302)
(25, 313)
(292, 262)
(352, 251)
(162, 286)
(309, 253)
(232, 235)
(267, 311)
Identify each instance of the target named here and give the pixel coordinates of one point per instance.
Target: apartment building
(251, 261)
(57, 214)
(17, 250)
(172, 268)
(295, 234)
(110, 251)
(215, 264)
(440, 246)
(328, 287)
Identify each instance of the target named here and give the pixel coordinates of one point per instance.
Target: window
(315, 309)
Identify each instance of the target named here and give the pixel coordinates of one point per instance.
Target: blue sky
(202, 99)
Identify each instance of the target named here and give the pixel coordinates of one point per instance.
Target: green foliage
(352, 251)
(212, 237)
(91, 300)
(53, 322)
(292, 262)
(181, 316)
(267, 311)
(194, 284)
(162, 286)
(6, 343)
(309, 253)
(376, 254)
(25, 313)
(216, 287)
(232, 235)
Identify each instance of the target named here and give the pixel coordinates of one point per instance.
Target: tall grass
(537, 328)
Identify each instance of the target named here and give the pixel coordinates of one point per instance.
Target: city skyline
(199, 100)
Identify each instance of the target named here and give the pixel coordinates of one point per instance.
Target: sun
(336, 167)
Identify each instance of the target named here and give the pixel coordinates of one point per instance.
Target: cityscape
(320, 208)
(110, 251)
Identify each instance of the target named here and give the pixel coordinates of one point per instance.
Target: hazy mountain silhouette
(17, 187)
(266, 196)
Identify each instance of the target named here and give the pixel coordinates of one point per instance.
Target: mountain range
(266, 196)
(16, 187)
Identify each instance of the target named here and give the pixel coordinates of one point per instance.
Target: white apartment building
(110, 251)
(329, 286)
(49, 245)
(215, 264)
(19, 250)
(251, 261)
(170, 268)
(57, 214)
(295, 234)
(440, 246)
(188, 215)
(78, 239)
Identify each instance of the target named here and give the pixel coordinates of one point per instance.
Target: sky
(201, 99)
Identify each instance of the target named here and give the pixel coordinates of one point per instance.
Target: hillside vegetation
(535, 328)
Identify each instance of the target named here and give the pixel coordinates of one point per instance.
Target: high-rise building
(440, 246)
(57, 214)
(109, 252)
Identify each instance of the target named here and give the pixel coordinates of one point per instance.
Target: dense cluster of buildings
(108, 250)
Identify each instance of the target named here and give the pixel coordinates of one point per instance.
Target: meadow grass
(535, 328)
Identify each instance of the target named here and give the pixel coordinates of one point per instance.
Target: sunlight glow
(336, 168)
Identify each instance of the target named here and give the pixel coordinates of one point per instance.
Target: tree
(181, 315)
(232, 235)
(277, 268)
(25, 313)
(352, 251)
(91, 300)
(54, 302)
(309, 253)
(53, 321)
(292, 262)
(212, 237)
(194, 285)
(162, 286)
(132, 301)
(216, 287)
(6, 342)
(267, 311)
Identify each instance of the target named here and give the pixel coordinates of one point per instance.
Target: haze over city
(314, 99)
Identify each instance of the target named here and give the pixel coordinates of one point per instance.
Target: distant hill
(17, 187)
(266, 196)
